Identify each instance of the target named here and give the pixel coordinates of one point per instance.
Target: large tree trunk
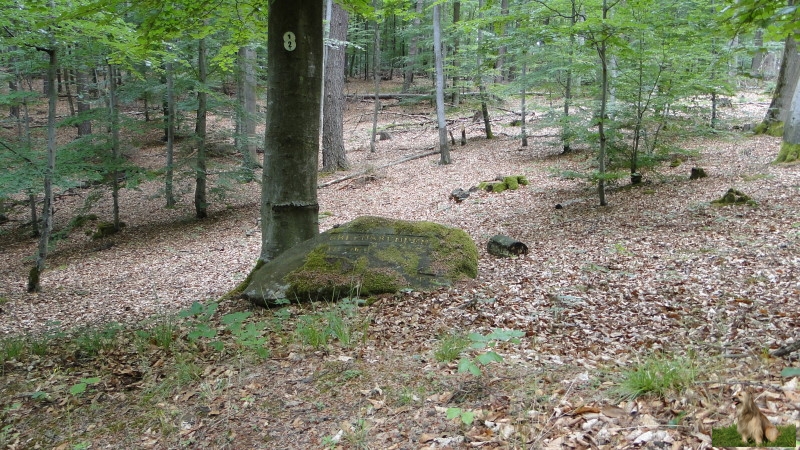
(789, 72)
(790, 147)
(333, 153)
(289, 208)
(501, 52)
(456, 100)
(200, 176)
(444, 150)
(412, 49)
(34, 284)
(246, 122)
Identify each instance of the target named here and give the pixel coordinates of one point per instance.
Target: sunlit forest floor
(638, 319)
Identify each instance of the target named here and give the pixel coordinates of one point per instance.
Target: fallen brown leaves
(660, 270)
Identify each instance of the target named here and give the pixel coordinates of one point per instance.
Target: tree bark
(170, 131)
(83, 105)
(200, 176)
(790, 147)
(289, 208)
(778, 110)
(411, 61)
(246, 123)
(502, 50)
(34, 284)
(334, 156)
(114, 113)
(376, 76)
(439, 67)
(456, 100)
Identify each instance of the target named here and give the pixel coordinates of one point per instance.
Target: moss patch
(729, 437)
(769, 128)
(788, 153)
(734, 197)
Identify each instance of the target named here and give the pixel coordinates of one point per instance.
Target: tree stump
(504, 246)
(697, 173)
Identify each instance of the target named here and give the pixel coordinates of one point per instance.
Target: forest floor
(638, 319)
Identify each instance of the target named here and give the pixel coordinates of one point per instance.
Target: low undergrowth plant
(657, 375)
(450, 347)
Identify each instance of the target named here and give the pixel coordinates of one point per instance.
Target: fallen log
(364, 172)
(504, 246)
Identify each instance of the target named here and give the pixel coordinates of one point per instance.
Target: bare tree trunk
(112, 109)
(376, 75)
(83, 105)
(456, 17)
(487, 123)
(790, 147)
(601, 157)
(289, 206)
(757, 64)
(246, 122)
(168, 183)
(200, 200)
(34, 284)
(501, 52)
(412, 49)
(444, 150)
(334, 156)
(778, 110)
(523, 126)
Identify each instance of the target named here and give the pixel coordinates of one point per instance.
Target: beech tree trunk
(778, 110)
(790, 147)
(412, 49)
(246, 123)
(113, 111)
(376, 76)
(200, 176)
(34, 284)
(333, 152)
(289, 208)
(170, 132)
(81, 86)
(444, 149)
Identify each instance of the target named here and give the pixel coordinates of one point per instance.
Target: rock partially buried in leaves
(735, 197)
(370, 255)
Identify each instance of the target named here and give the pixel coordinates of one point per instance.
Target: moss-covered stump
(788, 153)
(368, 256)
(734, 197)
(503, 183)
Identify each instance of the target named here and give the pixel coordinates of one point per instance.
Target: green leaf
(466, 365)
(217, 345)
(237, 317)
(467, 417)
(452, 413)
(78, 389)
(790, 372)
(486, 358)
(93, 380)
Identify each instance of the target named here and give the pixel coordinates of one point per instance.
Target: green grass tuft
(657, 375)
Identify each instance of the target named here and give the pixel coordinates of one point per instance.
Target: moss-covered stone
(788, 153)
(734, 197)
(511, 182)
(368, 256)
(105, 229)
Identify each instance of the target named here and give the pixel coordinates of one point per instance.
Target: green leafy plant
(465, 416)
(484, 342)
(199, 316)
(80, 387)
(312, 331)
(90, 341)
(248, 335)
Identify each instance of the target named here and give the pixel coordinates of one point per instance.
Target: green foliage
(483, 342)
(465, 416)
(657, 375)
(79, 388)
(789, 372)
(92, 340)
(450, 347)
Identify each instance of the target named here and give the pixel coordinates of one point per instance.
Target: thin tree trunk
(289, 206)
(246, 123)
(34, 284)
(170, 111)
(501, 52)
(456, 17)
(333, 152)
(376, 65)
(200, 200)
(112, 107)
(444, 149)
(487, 123)
(601, 157)
(411, 61)
(523, 126)
(83, 105)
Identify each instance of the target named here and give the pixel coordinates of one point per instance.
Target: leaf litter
(660, 271)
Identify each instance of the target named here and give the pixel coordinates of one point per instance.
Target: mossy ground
(788, 153)
(729, 437)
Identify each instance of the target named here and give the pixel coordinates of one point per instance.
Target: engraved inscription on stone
(361, 242)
